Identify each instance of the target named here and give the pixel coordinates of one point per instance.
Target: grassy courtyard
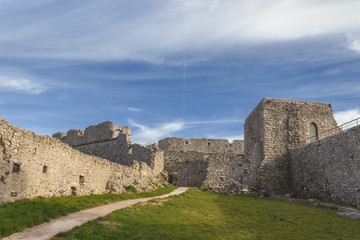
(16, 216)
(205, 215)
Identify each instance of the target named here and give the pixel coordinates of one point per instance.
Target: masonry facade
(33, 165)
(281, 154)
(329, 168)
(272, 131)
(108, 141)
(214, 164)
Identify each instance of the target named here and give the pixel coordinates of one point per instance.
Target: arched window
(313, 131)
(118, 132)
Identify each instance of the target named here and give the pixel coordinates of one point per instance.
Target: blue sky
(173, 68)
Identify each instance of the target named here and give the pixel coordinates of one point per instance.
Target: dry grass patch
(155, 202)
(111, 225)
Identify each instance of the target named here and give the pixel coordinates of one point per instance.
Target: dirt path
(66, 223)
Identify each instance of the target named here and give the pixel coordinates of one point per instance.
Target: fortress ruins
(290, 147)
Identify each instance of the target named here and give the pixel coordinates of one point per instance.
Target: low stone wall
(33, 165)
(329, 169)
(222, 172)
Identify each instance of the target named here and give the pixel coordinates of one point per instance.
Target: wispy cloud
(350, 88)
(347, 115)
(146, 135)
(133, 109)
(166, 27)
(19, 84)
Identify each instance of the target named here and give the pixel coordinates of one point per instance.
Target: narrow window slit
(81, 180)
(16, 168)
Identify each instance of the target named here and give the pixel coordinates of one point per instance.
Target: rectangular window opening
(81, 180)
(16, 168)
(73, 191)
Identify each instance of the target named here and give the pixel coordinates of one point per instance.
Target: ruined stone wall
(186, 169)
(116, 150)
(142, 154)
(254, 144)
(204, 145)
(109, 141)
(329, 169)
(280, 126)
(208, 163)
(95, 133)
(222, 172)
(33, 165)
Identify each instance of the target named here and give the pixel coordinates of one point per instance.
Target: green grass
(16, 216)
(131, 188)
(204, 215)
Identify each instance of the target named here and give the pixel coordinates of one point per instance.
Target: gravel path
(66, 223)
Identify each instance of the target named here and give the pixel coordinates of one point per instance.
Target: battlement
(203, 145)
(94, 134)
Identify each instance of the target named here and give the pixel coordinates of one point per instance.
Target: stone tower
(275, 127)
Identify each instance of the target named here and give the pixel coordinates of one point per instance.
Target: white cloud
(133, 109)
(353, 42)
(147, 135)
(122, 30)
(346, 116)
(21, 84)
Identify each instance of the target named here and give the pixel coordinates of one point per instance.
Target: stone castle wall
(254, 144)
(276, 157)
(33, 165)
(329, 169)
(274, 128)
(204, 145)
(222, 172)
(109, 141)
(208, 163)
